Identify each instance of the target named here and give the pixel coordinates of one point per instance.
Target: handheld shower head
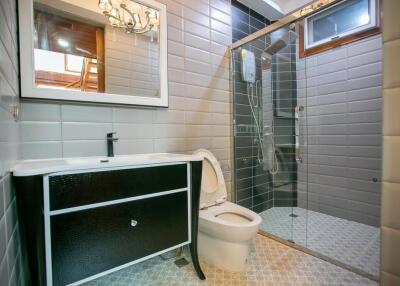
(266, 62)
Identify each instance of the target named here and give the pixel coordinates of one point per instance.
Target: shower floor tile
(270, 263)
(352, 243)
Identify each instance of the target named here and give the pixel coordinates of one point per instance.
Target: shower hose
(251, 94)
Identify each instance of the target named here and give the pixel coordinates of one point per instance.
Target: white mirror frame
(29, 90)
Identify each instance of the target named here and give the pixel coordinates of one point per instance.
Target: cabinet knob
(133, 222)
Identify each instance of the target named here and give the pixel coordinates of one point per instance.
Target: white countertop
(40, 167)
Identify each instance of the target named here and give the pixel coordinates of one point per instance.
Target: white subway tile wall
(132, 65)
(390, 247)
(11, 258)
(199, 113)
(9, 133)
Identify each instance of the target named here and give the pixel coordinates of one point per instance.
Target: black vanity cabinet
(79, 225)
(95, 240)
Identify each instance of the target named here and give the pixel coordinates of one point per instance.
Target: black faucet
(110, 144)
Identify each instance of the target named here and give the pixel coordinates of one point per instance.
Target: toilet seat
(213, 188)
(211, 222)
(213, 214)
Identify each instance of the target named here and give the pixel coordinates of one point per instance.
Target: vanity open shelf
(87, 217)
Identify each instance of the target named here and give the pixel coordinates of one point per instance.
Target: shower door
(307, 152)
(285, 134)
(270, 134)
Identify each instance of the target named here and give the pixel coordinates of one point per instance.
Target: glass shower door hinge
(14, 110)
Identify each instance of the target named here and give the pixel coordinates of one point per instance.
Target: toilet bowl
(225, 229)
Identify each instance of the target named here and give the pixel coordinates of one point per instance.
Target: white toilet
(225, 229)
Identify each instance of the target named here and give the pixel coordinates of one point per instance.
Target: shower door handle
(298, 158)
(297, 110)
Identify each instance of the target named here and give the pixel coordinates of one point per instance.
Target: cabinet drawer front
(74, 190)
(89, 242)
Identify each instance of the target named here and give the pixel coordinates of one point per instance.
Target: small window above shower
(341, 23)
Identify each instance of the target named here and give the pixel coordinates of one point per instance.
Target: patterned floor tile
(347, 241)
(270, 263)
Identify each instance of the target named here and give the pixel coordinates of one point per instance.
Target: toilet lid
(213, 188)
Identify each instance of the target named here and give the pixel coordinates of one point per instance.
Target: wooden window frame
(341, 41)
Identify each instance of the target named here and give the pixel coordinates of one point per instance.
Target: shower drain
(293, 215)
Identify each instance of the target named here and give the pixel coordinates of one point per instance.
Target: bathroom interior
(199, 142)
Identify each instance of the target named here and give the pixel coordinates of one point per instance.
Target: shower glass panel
(307, 145)
(270, 133)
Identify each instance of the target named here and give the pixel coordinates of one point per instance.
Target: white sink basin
(124, 159)
(36, 167)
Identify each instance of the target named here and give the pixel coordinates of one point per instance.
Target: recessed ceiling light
(63, 43)
(273, 5)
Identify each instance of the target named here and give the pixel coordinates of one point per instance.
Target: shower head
(279, 44)
(276, 47)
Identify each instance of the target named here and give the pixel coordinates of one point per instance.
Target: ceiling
(275, 9)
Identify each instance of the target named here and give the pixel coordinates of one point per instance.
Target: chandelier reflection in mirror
(133, 17)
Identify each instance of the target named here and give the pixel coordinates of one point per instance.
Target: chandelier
(132, 17)
(312, 7)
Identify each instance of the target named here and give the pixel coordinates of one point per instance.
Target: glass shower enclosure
(272, 134)
(269, 133)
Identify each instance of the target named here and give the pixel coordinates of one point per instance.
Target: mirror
(106, 51)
